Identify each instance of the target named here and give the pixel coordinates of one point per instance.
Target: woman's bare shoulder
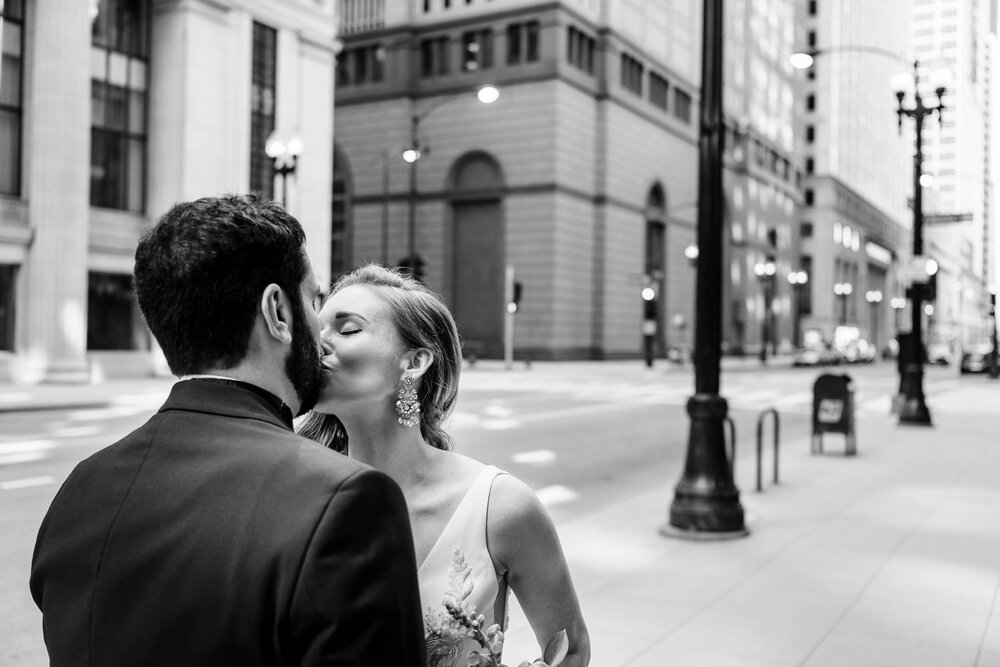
(517, 521)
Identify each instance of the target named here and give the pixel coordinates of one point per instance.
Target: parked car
(938, 353)
(859, 351)
(816, 355)
(976, 358)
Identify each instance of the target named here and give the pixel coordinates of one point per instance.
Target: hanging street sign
(939, 218)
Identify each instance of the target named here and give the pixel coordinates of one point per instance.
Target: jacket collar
(224, 396)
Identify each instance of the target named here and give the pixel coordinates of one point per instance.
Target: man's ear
(277, 312)
(417, 362)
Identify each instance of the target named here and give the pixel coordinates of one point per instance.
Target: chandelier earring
(407, 404)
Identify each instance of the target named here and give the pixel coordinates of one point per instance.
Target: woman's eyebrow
(344, 314)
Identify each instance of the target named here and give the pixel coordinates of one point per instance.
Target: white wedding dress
(459, 567)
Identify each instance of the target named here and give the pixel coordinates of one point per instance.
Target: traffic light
(515, 297)
(649, 305)
(413, 268)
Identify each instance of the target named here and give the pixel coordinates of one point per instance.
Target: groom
(213, 535)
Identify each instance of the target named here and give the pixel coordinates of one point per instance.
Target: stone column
(52, 346)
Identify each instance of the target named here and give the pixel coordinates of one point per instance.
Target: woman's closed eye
(349, 331)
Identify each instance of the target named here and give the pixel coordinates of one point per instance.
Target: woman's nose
(325, 344)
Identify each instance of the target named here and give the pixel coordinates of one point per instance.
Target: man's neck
(274, 383)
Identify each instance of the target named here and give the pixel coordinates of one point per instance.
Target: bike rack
(760, 444)
(732, 446)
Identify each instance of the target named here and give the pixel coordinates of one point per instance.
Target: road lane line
(23, 457)
(556, 495)
(26, 483)
(537, 456)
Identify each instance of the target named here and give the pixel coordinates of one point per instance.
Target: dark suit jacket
(213, 535)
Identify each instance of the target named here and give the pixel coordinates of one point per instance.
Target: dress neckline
(454, 515)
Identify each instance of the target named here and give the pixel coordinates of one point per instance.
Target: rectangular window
(11, 67)
(8, 288)
(808, 195)
(110, 312)
(812, 7)
(682, 105)
(119, 73)
(361, 65)
(806, 230)
(477, 50)
(262, 106)
(434, 60)
(522, 42)
(631, 74)
(580, 50)
(658, 90)
(810, 165)
(811, 38)
(810, 102)
(810, 134)
(531, 41)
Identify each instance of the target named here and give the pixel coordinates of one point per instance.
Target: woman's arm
(523, 542)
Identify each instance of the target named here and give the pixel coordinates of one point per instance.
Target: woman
(392, 359)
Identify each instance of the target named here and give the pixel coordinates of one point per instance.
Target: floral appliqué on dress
(445, 635)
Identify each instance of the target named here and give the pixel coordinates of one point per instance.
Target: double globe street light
(284, 154)
(765, 272)
(798, 281)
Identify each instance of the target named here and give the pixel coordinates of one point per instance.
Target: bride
(392, 359)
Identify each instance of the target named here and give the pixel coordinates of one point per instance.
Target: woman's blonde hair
(422, 321)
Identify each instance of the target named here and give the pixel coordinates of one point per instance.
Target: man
(213, 535)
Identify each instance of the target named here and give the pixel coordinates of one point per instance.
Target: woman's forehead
(357, 299)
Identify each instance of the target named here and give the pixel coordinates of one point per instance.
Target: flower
(448, 628)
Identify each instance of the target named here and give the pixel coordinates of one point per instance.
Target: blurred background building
(112, 110)
(762, 298)
(956, 42)
(581, 178)
(854, 225)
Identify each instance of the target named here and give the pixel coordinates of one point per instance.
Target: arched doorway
(476, 193)
(341, 229)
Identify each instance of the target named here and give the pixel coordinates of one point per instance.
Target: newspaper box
(833, 411)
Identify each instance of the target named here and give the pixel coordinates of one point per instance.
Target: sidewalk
(888, 558)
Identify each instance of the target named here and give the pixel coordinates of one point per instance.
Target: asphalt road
(580, 435)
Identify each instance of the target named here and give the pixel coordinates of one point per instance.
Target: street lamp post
(285, 156)
(486, 95)
(798, 280)
(706, 501)
(914, 408)
(765, 273)
(994, 367)
(874, 299)
(843, 290)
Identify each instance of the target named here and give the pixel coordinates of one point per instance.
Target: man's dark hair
(201, 270)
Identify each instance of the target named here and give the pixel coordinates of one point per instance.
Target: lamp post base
(706, 500)
(914, 409)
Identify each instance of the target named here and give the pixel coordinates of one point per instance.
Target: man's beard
(302, 367)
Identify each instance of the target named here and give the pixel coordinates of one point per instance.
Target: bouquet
(447, 629)
(492, 641)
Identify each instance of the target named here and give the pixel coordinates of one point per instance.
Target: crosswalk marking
(26, 483)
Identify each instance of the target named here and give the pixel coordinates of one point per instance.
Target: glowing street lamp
(798, 280)
(487, 94)
(765, 272)
(285, 156)
(843, 290)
